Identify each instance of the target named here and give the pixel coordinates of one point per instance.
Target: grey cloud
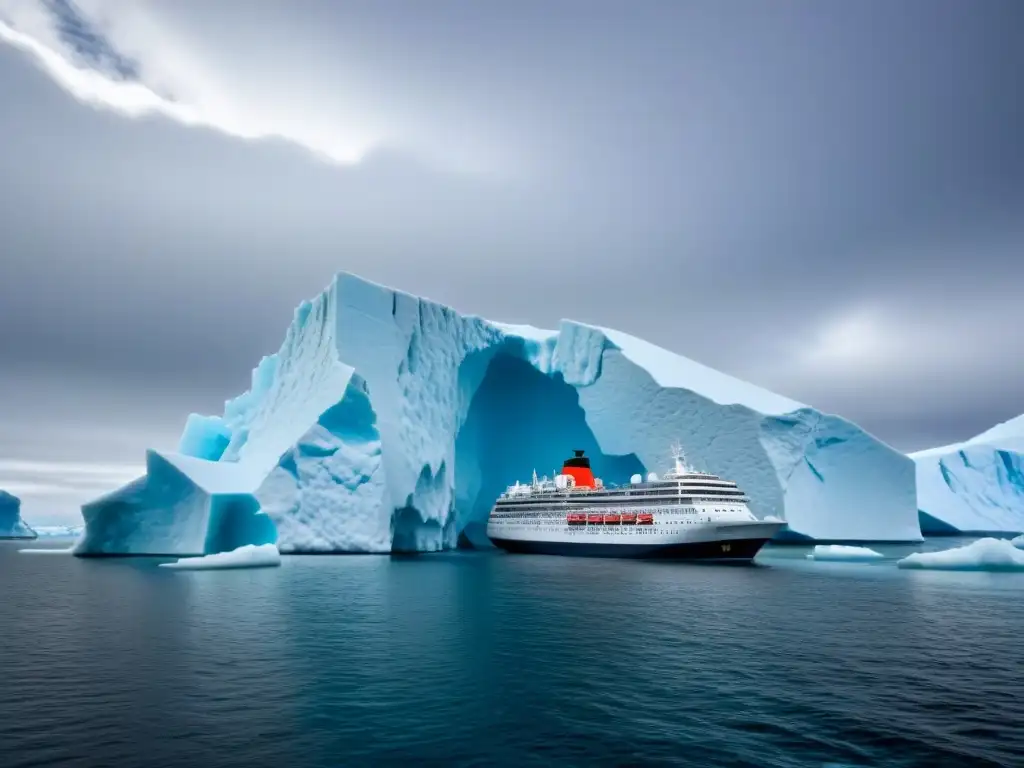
(722, 181)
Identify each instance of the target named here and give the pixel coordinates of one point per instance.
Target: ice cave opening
(235, 521)
(519, 420)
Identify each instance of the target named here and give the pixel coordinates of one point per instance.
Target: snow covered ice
(976, 486)
(986, 554)
(11, 524)
(248, 556)
(843, 553)
(387, 422)
(1018, 541)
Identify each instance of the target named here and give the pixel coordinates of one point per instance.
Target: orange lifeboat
(576, 519)
(628, 518)
(645, 519)
(611, 519)
(595, 519)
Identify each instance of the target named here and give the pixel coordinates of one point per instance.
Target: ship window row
(560, 515)
(594, 498)
(599, 503)
(576, 504)
(666, 489)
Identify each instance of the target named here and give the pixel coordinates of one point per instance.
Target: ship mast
(680, 458)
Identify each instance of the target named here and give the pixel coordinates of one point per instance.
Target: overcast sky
(822, 198)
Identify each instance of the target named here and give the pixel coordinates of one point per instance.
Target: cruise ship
(683, 515)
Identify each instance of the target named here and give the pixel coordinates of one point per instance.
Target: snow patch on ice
(986, 554)
(843, 553)
(248, 556)
(1018, 541)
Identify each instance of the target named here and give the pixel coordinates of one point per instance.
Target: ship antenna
(535, 478)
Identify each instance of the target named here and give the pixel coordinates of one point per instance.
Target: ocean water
(490, 659)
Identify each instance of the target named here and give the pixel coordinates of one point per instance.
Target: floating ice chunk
(48, 551)
(249, 556)
(982, 555)
(58, 531)
(1018, 542)
(843, 553)
(182, 506)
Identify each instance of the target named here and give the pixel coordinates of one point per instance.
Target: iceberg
(390, 423)
(986, 554)
(843, 553)
(48, 551)
(248, 556)
(974, 487)
(11, 524)
(181, 506)
(1018, 541)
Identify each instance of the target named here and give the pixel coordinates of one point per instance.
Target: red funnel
(579, 467)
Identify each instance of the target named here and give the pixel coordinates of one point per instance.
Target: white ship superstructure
(685, 514)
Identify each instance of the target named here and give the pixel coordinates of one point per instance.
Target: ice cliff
(11, 524)
(387, 422)
(976, 486)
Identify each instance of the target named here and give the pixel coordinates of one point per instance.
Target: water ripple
(477, 659)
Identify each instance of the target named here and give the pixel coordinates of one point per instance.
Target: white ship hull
(735, 541)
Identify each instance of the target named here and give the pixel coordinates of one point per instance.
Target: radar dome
(652, 478)
(636, 479)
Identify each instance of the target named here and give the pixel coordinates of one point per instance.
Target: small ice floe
(47, 551)
(1018, 542)
(58, 531)
(249, 556)
(982, 555)
(844, 554)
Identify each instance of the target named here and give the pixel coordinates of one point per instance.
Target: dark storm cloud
(825, 199)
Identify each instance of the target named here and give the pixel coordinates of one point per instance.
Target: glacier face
(387, 423)
(976, 486)
(11, 524)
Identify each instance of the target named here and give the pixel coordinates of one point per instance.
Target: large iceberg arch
(976, 486)
(388, 422)
(11, 524)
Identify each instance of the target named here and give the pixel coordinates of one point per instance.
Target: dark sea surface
(493, 659)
